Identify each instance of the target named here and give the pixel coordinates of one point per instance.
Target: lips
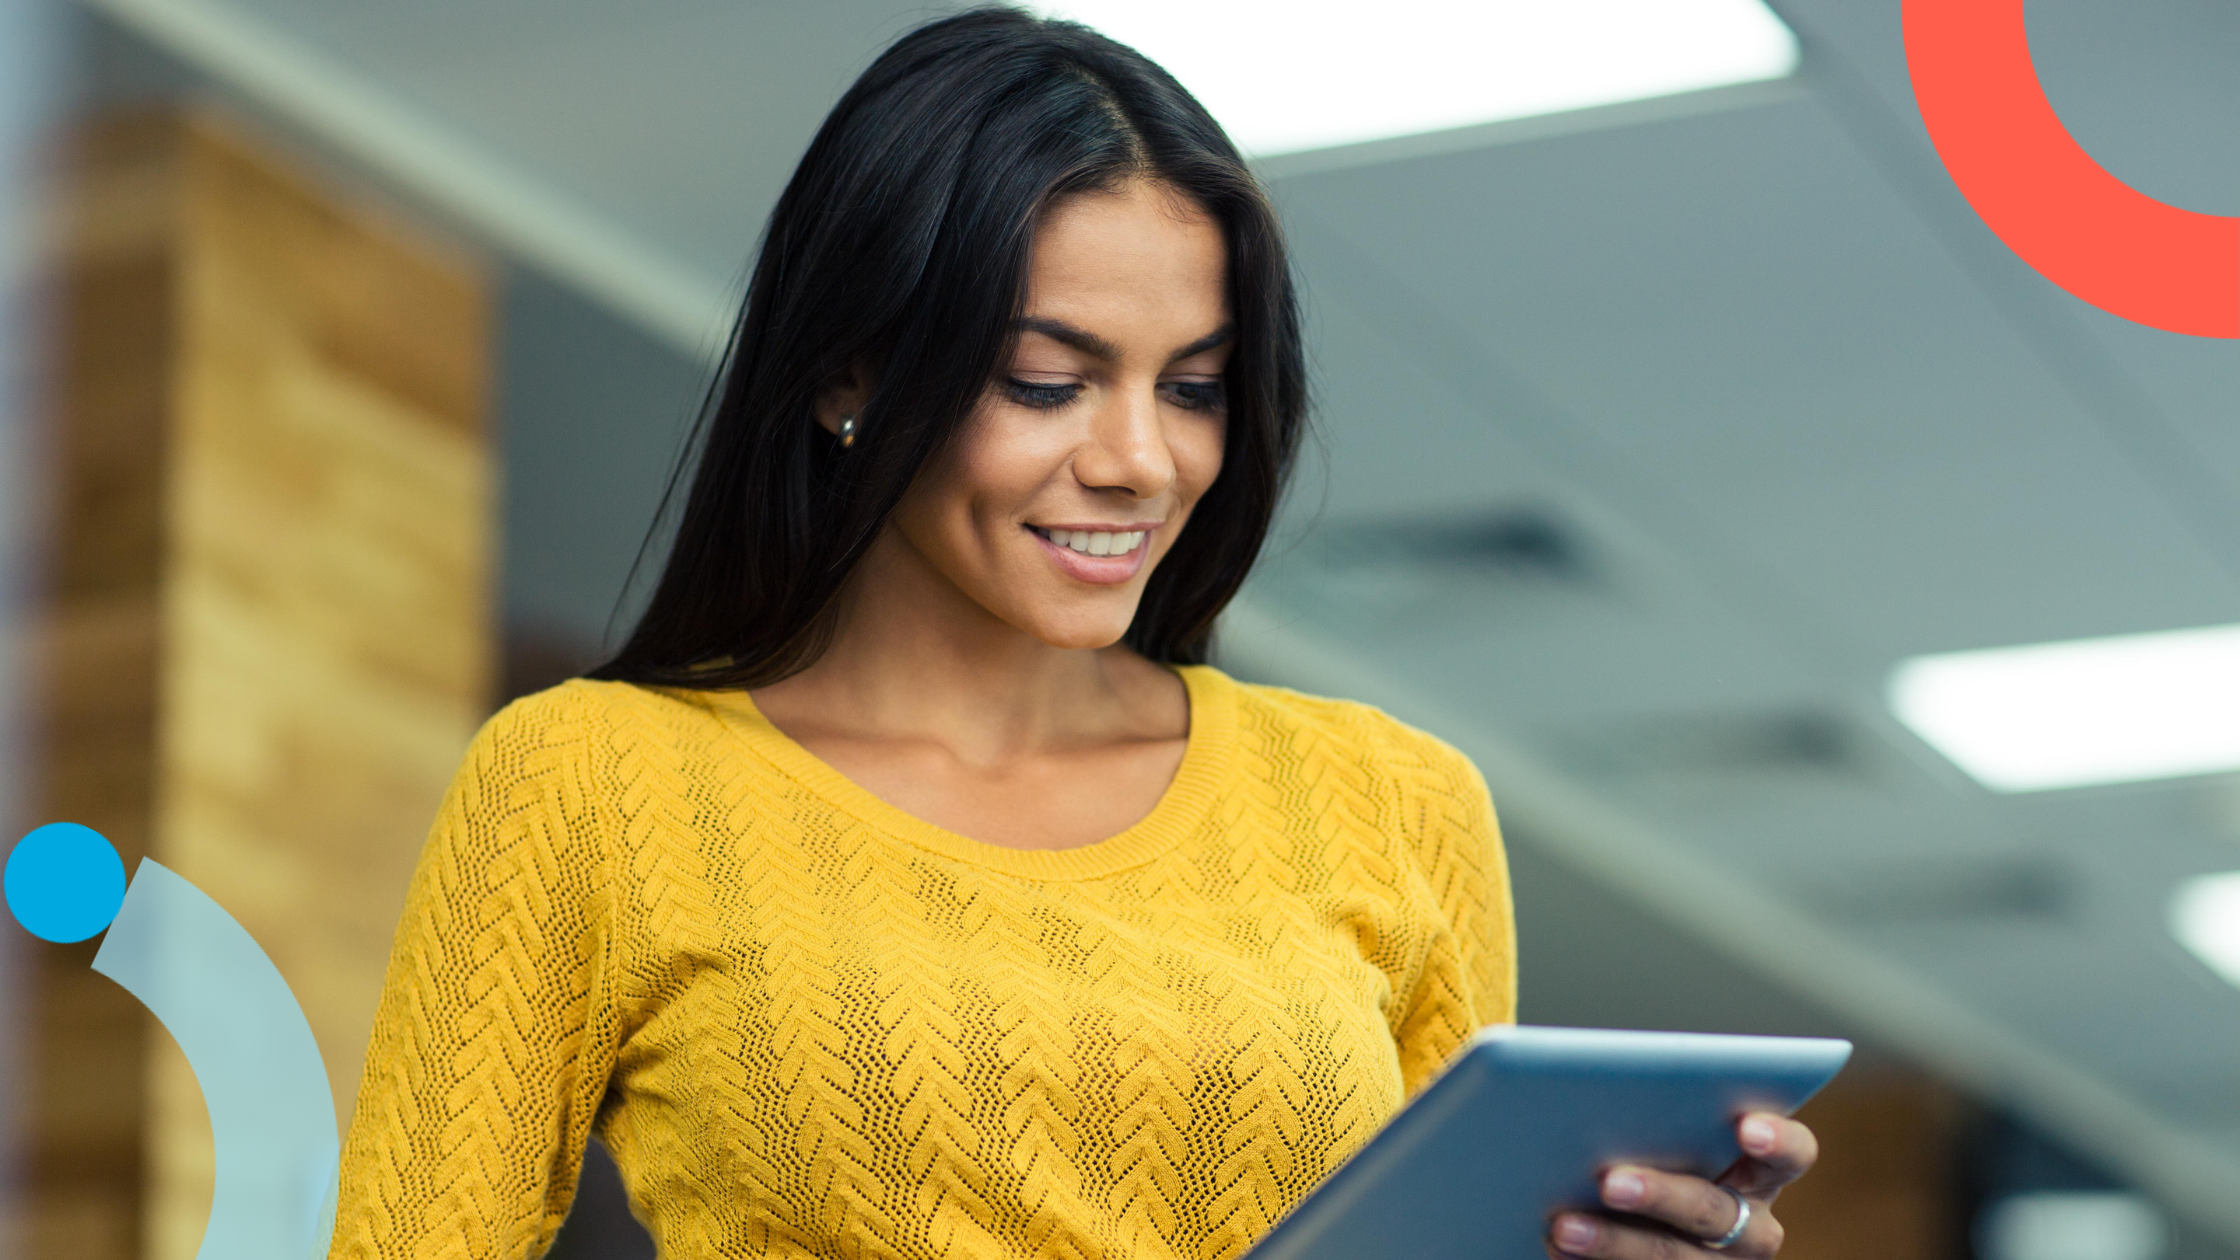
(1100, 542)
(1101, 557)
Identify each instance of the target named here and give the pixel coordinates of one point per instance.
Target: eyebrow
(1218, 337)
(1091, 344)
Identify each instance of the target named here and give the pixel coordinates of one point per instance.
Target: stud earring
(847, 431)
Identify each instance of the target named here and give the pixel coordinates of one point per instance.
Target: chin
(1080, 633)
(1085, 642)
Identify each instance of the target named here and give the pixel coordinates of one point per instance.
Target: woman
(907, 886)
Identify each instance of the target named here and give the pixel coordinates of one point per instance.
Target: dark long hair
(900, 247)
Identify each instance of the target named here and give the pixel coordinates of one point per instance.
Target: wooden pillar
(268, 632)
(1888, 1183)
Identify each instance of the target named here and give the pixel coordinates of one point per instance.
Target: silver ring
(1741, 1222)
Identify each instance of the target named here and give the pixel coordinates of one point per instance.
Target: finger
(1600, 1238)
(1690, 1205)
(1779, 1151)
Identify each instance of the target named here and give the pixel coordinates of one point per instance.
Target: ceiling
(1649, 446)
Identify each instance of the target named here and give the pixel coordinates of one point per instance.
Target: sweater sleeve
(1469, 973)
(497, 1027)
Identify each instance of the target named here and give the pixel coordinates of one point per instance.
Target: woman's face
(1070, 481)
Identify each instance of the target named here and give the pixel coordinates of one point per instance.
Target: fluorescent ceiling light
(2140, 706)
(2073, 1225)
(1288, 75)
(2205, 917)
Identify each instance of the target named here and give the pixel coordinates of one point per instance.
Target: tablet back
(1522, 1122)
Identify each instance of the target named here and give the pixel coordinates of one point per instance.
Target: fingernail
(1757, 1135)
(1624, 1188)
(1575, 1233)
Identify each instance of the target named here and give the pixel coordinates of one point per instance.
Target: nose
(1127, 448)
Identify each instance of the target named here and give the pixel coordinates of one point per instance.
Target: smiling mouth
(1093, 542)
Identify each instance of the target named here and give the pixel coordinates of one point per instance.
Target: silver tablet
(1521, 1124)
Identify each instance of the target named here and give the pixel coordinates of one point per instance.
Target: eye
(1042, 397)
(1195, 395)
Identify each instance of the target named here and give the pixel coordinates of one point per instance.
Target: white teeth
(1090, 543)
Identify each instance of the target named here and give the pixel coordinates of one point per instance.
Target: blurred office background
(345, 350)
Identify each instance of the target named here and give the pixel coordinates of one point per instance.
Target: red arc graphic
(2035, 186)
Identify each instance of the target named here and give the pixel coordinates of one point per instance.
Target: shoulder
(581, 760)
(569, 710)
(1425, 781)
(591, 721)
(1404, 787)
(1401, 758)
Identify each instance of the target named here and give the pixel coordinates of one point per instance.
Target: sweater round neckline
(1181, 808)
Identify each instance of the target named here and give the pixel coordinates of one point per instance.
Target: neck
(914, 657)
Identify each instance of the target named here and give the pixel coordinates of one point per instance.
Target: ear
(843, 396)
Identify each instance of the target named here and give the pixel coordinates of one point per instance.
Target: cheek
(1197, 453)
(981, 483)
(1002, 476)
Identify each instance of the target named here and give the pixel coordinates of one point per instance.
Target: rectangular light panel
(2205, 917)
(1283, 77)
(2054, 715)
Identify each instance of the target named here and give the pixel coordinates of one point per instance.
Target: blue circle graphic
(64, 882)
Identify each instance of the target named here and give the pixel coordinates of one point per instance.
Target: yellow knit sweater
(809, 1024)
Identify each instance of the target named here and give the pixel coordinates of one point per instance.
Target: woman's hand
(1669, 1216)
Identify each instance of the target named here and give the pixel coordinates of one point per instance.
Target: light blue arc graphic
(271, 1109)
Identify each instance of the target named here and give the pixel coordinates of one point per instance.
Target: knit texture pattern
(808, 1024)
